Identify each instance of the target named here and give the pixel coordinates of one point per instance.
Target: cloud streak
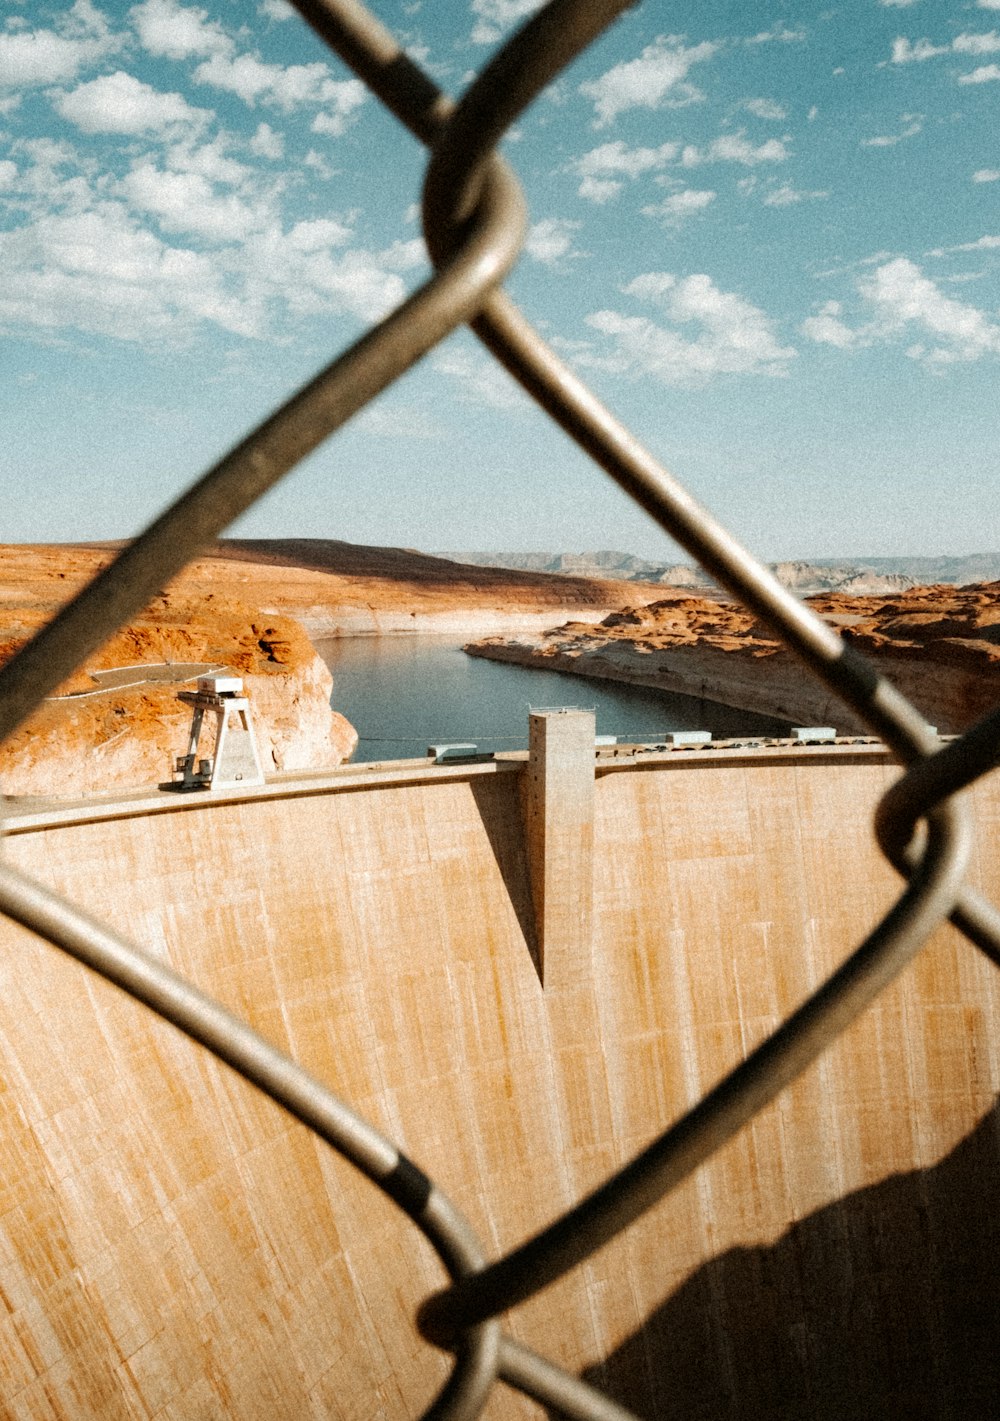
(656, 78)
(29, 58)
(700, 333)
(121, 104)
(906, 304)
(604, 169)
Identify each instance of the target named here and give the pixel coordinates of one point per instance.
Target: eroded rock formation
(940, 645)
(121, 732)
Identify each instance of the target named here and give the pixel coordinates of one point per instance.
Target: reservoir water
(405, 693)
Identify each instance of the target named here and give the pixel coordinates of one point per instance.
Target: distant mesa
(862, 576)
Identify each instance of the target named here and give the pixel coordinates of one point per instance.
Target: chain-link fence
(474, 224)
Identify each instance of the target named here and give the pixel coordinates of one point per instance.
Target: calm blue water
(405, 693)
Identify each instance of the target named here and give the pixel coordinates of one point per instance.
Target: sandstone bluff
(940, 645)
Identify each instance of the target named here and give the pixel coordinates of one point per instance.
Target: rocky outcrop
(117, 724)
(939, 645)
(805, 578)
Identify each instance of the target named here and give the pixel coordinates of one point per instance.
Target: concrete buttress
(558, 811)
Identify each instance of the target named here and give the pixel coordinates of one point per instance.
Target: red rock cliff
(92, 737)
(940, 645)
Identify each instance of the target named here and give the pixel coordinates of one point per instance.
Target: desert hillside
(101, 732)
(939, 644)
(333, 588)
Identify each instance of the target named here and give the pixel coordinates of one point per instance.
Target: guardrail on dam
(161, 1223)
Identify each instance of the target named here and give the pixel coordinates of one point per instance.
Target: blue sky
(768, 234)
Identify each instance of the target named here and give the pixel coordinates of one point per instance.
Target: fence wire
(474, 225)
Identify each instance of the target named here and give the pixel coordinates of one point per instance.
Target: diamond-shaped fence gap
(474, 221)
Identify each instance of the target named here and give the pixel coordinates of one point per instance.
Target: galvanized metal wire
(474, 224)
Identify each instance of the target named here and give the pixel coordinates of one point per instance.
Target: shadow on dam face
(885, 1304)
(496, 801)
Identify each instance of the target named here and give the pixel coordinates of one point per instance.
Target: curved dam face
(173, 1246)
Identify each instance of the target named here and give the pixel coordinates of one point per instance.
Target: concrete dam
(522, 1003)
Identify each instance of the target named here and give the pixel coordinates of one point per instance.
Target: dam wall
(173, 1246)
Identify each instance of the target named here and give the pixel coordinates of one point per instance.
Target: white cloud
(903, 52)
(320, 233)
(318, 163)
(734, 148)
(188, 239)
(977, 44)
(903, 297)
(983, 75)
(787, 196)
(286, 86)
(897, 4)
(481, 380)
(765, 108)
(341, 98)
(121, 103)
(83, 18)
(600, 190)
(277, 10)
(167, 28)
(679, 206)
(731, 335)
(188, 202)
(210, 160)
(913, 125)
(266, 143)
(604, 167)
(617, 157)
(828, 329)
(657, 77)
(47, 155)
(981, 244)
(311, 271)
(175, 31)
(405, 256)
(8, 174)
(780, 32)
(986, 175)
(495, 17)
(551, 240)
(247, 76)
(99, 272)
(32, 57)
(905, 303)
